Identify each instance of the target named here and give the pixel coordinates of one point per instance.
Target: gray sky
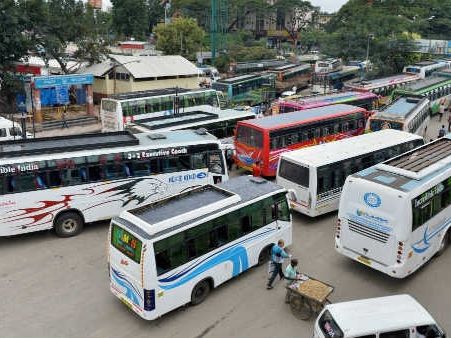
(329, 5)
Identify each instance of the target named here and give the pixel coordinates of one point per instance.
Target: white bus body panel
(173, 289)
(372, 224)
(36, 210)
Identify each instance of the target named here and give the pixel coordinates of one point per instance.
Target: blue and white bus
(170, 253)
(395, 216)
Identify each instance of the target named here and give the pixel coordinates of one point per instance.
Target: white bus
(121, 109)
(173, 252)
(399, 316)
(395, 216)
(411, 114)
(315, 175)
(218, 122)
(328, 66)
(64, 182)
(425, 68)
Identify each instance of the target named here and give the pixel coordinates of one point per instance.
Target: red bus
(263, 140)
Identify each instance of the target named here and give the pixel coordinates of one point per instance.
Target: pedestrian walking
(63, 117)
(278, 254)
(442, 131)
(449, 122)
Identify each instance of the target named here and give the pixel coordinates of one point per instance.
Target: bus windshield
(294, 173)
(250, 136)
(126, 243)
(376, 125)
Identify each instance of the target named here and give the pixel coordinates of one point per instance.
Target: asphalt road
(52, 287)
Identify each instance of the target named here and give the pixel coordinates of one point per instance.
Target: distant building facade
(123, 74)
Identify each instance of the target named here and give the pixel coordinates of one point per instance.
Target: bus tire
(68, 224)
(264, 255)
(444, 243)
(200, 292)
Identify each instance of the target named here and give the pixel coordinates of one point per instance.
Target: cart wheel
(300, 307)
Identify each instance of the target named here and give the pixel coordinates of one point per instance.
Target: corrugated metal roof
(156, 66)
(146, 66)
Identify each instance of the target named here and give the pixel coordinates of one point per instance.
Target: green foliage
(394, 24)
(131, 18)
(52, 24)
(13, 42)
(182, 36)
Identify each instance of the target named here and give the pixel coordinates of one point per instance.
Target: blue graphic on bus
(372, 200)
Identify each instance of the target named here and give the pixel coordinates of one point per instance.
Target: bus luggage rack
(48, 145)
(424, 157)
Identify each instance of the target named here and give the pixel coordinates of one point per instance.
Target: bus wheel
(444, 243)
(264, 255)
(68, 224)
(200, 292)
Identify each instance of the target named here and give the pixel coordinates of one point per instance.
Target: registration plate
(364, 260)
(126, 302)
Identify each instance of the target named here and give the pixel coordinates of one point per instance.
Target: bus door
(126, 274)
(216, 166)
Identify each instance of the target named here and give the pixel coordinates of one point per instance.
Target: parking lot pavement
(52, 287)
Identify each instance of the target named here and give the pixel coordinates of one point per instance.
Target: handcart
(307, 296)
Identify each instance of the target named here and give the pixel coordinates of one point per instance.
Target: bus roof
(196, 117)
(332, 152)
(365, 316)
(401, 108)
(238, 78)
(302, 116)
(195, 205)
(381, 82)
(150, 93)
(425, 83)
(329, 99)
(40, 148)
(413, 169)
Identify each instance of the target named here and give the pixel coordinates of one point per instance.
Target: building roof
(348, 148)
(365, 316)
(302, 116)
(141, 67)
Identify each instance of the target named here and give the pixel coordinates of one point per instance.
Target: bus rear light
(338, 229)
(399, 252)
(400, 243)
(398, 261)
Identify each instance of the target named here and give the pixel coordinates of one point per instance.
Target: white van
(399, 316)
(9, 130)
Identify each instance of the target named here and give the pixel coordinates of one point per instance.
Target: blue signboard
(62, 80)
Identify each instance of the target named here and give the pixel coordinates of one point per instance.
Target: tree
(53, 24)
(182, 36)
(131, 18)
(14, 42)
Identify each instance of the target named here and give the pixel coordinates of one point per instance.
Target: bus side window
(141, 168)
(83, 175)
(11, 184)
(245, 224)
(219, 236)
(283, 213)
(41, 181)
(55, 179)
(199, 161)
(127, 167)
